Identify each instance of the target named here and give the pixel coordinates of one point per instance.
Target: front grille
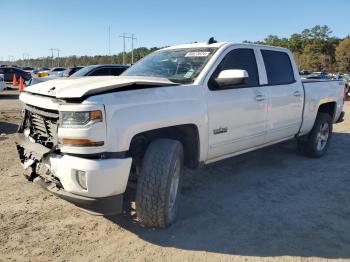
(42, 124)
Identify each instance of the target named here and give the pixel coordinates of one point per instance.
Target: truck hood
(87, 86)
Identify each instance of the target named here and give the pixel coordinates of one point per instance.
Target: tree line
(74, 60)
(314, 49)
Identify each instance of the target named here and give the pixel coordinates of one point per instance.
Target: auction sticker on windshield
(197, 54)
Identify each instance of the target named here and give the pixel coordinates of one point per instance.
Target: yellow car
(52, 71)
(43, 73)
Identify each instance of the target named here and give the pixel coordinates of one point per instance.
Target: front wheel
(316, 143)
(159, 184)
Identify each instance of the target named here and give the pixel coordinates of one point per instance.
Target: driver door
(237, 114)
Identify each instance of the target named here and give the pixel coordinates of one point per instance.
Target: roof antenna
(212, 41)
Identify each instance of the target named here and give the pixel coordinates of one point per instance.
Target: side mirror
(232, 77)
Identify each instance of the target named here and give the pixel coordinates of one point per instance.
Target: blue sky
(80, 27)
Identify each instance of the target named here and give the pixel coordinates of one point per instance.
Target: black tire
(309, 145)
(161, 165)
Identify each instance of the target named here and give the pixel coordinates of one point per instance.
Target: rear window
(58, 69)
(84, 71)
(104, 71)
(278, 66)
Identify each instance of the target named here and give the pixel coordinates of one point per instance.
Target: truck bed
(318, 91)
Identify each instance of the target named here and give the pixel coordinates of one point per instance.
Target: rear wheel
(159, 184)
(316, 143)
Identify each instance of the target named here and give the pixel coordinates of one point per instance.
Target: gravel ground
(268, 205)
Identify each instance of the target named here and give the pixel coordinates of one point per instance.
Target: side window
(241, 58)
(104, 71)
(116, 71)
(279, 69)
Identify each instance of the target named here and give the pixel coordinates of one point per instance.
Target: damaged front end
(94, 184)
(37, 138)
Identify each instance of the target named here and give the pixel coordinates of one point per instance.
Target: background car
(69, 71)
(2, 83)
(56, 70)
(101, 70)
(8, 73)
(28, 68)
(92, 70)
(346, 79)
(37, 70)
(52, 71)
(317, 75)
(304, 73)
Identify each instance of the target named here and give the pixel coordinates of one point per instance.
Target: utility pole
(23, 62)
(124, 36)
(109, 40)
(26, 57)
(58, 56)
(52, 49)
(11, 59)
(132, 48)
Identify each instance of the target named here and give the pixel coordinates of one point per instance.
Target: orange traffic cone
(21, 84)
(14, 80)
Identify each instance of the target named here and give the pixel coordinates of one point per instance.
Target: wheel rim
(322, 136)
(174, 186)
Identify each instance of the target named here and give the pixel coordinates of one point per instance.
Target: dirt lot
(272, 204)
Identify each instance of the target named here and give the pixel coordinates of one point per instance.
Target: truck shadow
(6, 96)
(271, 202)
(8, 128)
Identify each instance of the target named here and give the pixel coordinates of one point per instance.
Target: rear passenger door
(286, 95)
(236, 114)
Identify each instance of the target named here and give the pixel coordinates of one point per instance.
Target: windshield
(84, 71)
(177, 65)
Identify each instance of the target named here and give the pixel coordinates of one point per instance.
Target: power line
(52, 49)
(128, 36)
(58, 56)
(25, 57)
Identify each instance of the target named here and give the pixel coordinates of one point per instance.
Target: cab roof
(196, 45)
(220, 44)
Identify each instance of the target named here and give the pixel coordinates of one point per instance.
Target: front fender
(127, 122)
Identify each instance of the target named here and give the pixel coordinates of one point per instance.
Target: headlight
(79, 118)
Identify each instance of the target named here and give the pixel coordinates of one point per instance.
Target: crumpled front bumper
(97, 206)
(106, 179)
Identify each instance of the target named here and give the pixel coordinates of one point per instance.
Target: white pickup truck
(86, 139)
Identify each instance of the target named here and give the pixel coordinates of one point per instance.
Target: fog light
(80, 176)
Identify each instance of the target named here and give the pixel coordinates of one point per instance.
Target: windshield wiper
(180, 81)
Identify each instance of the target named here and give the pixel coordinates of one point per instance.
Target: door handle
(260, 98)
(297, 93)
